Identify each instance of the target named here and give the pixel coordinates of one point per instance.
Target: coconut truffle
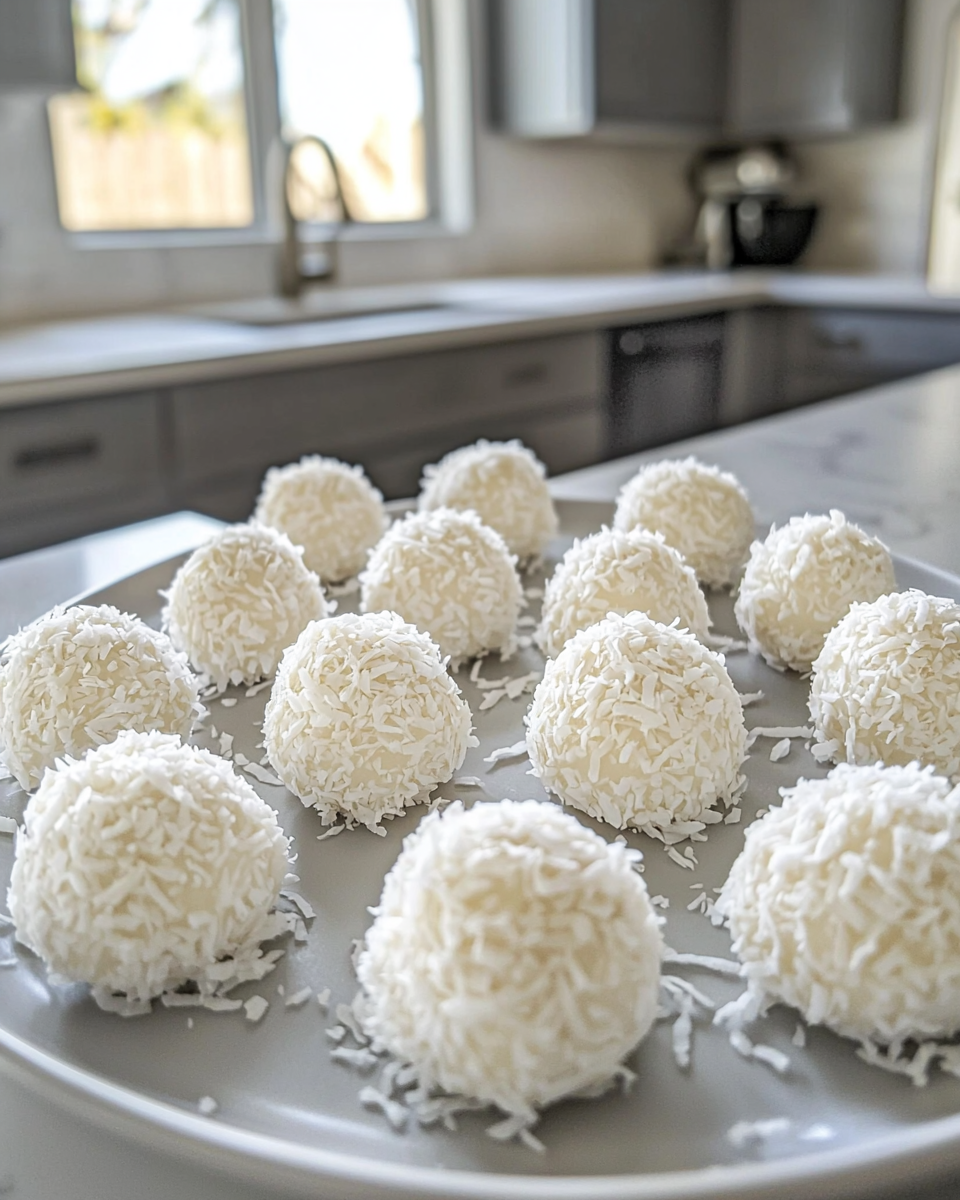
(76, 677)
(239, 600)
(363, 718)
(639, 725)
(506, 486)
(451, 576)
(619, 572)
(802, 579)
(514, 956)
(701, 511)
(886, 685)
(142, 864)
(845, 902)
(327, 507)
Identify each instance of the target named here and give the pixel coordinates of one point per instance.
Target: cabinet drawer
(832, 351)
(251, 423)
(61, 453)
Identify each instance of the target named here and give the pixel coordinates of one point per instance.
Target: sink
(334, 305)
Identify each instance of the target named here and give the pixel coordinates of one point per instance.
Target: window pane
(159, 139)
(350, 72)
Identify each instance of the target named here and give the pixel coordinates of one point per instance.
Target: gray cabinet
(68, 469)
(671, 69)
(813, 68)
(615, 68)
(389, 415)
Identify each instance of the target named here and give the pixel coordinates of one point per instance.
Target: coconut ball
(514, 956)
(239, 600)
(142, 864)
(701, 511)
(886, 685)
(327, 507)
(77, 676)
(363, 718)
(845, 902)
(802, 580)
(506, 486)
(451, 576)
(639, 725)
(619, 572)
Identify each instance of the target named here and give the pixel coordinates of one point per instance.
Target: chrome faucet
(301, 264)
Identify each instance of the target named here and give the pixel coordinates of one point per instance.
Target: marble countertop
(889, 457)
(65, 359)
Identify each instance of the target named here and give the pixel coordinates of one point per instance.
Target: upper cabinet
(670, 69)
(818, 67)
(566, 68)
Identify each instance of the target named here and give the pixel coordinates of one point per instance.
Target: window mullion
(263, 106)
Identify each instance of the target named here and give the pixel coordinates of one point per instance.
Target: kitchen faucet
(298, 264)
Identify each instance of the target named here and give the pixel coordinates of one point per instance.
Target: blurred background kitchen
(236, 231)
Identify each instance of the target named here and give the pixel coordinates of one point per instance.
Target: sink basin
(334, 305)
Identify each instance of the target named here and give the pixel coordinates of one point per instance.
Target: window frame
(445, 66)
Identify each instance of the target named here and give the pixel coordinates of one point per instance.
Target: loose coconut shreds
(449, 575)
(701, 511)
(364, 718)
(76, 677)
(886, 686)
(802, 579)
(845, 903)
(514, 956)
(327, 507)
(504, 483)
(620, 571)
(143, 864)
(239, 600)
(639, 725)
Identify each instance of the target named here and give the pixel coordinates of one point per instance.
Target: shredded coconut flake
(504, 483)
(515, 921)
(364, 719)
(700, 510)
(327, 507)
(639, 725)
(449, 575)
(802, 580)
(619, 572)
(238, 602)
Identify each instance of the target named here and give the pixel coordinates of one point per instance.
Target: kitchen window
(182, 99)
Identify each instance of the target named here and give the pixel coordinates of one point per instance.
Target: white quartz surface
(889, 457)
(65, 359)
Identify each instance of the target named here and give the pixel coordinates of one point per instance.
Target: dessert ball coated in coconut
(451, 576)
(845, 903)
(701, 511)
(639, 725)
(329, 508)
(363, 718)
(616, 571)
(802, 579)
(142, 864)
(78, 676)
(239, 600)
(514, 956)
(886, 685)
(506, 486)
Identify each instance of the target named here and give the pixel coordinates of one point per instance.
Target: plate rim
(923, 1150)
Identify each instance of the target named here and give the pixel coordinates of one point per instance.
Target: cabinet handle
(56, 452)
(838, 341)
(526, 374)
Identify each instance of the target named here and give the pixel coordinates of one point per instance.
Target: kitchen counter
(67, 359)
(889, 457)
